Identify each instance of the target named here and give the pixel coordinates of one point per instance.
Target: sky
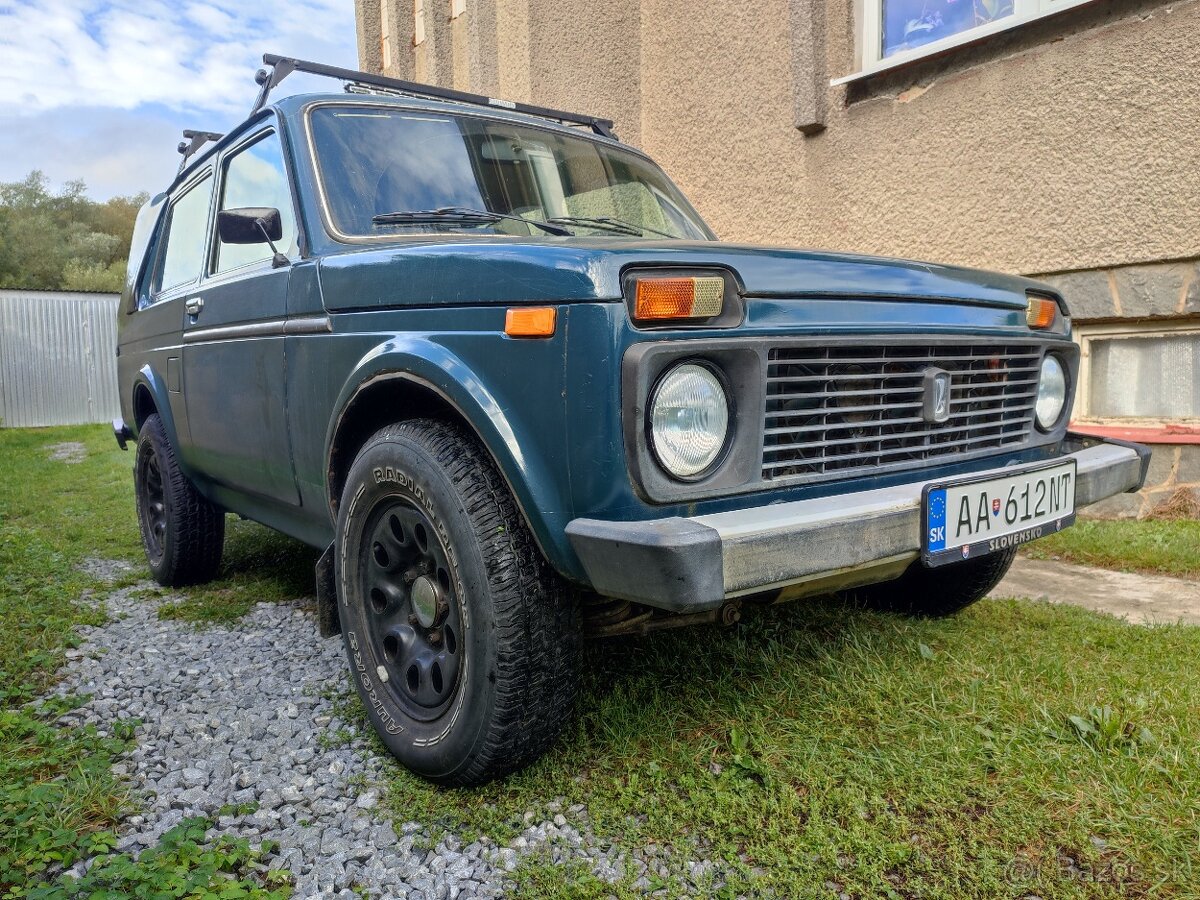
(101, 89)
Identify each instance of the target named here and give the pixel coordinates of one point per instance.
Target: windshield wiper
(609, 223)
(460, 215)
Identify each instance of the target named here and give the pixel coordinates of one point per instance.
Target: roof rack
(283, 66)
(193, 141)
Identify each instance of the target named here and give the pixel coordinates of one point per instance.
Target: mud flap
(327, 608)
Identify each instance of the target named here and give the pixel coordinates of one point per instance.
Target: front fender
(521, 437)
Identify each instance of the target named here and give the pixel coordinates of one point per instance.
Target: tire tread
(536, 618)
(197, 526)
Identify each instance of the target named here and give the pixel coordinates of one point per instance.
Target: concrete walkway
(1141, 599)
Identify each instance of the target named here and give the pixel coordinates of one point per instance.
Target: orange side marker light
(531, 322)
(679, 298)
(1041, 312)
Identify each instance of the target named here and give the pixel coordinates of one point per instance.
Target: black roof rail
(283, 66)
(193, 141)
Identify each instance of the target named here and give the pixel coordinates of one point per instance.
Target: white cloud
(113, 151)
(122, 54)
(100, 89)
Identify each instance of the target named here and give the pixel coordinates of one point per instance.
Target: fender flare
(422, 362)
(149, 379)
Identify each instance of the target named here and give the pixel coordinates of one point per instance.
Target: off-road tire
(933, 593)
(182, 532)
(516, 677)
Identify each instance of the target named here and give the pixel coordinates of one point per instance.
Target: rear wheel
(943, 591)
(182, 532)
(462, 641)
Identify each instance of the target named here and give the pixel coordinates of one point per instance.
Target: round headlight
(1052, 393)
(689, 418)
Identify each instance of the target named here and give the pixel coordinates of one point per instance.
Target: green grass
(1161, 547)
(815, 743)
(1016, 749)
(58, 799)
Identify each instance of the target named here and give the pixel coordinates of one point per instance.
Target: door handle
(194, 305)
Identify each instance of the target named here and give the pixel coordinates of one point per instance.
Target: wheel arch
(434, 383)
(149, 396)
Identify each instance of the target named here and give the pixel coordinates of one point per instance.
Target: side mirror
(253, 225)
(250, 225)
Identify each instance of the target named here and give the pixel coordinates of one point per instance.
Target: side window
(255, 176)
(183, 258)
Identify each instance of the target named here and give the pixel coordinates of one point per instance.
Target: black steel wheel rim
(152, 498)
(411, 609)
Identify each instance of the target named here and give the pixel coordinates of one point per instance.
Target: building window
(418, 22)
(1139, 375)
(895, 31)
(457, 8)
(385, 35)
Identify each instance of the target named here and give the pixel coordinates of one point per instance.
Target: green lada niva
(491, 362)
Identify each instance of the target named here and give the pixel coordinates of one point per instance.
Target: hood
(564, 270)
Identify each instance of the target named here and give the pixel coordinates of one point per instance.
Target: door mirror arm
(278, 260)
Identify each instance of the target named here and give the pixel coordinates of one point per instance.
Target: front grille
(838, 411)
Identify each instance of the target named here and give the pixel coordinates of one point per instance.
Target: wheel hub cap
(425, 601)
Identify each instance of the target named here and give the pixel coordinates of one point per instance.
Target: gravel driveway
(242, 715)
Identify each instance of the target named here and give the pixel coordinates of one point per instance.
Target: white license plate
(974, 517)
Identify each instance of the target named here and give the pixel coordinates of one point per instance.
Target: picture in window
(908, 24)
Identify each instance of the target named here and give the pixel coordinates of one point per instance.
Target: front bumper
(803, 547)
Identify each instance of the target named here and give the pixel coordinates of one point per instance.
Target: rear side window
(187, 228)
(255, 176)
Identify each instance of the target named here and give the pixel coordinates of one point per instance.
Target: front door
(234, 365)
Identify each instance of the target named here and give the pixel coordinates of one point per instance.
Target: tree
(63, 241)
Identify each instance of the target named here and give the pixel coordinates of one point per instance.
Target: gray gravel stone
(237, 720)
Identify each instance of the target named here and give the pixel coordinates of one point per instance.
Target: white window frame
(1085, 334)
(457, 8)
(869, 37)
(418, 22)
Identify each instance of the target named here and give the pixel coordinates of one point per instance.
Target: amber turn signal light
(679, 298)
(1041, 313)
(537, 322)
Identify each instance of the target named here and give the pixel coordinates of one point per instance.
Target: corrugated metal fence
(58, 362)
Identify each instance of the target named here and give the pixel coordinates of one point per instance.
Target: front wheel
(936, 592)
(462, 642)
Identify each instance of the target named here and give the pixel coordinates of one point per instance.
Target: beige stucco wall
(1069, 144)
(571, 57)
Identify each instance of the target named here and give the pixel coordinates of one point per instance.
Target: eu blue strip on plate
(937, 520)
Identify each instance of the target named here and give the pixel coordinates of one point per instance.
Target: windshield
(380, 165)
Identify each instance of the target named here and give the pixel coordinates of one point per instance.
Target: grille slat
(887, 377)
(954, 432)
(854, 457)
(1015, 413)
(821, 355)
(955, 392)
(837, 411)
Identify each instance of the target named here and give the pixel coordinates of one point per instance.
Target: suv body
(268, 376)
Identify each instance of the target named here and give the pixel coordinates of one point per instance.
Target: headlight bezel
(724, 387)
(1064, 375)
